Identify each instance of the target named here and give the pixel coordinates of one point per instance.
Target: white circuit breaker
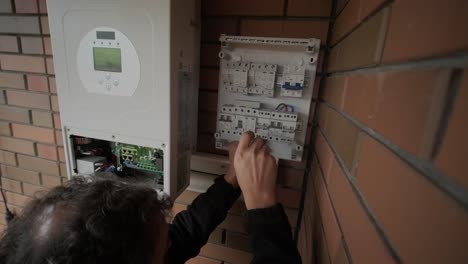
(266, 86)
(127, 78)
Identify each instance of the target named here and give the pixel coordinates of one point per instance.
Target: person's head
(85, 221)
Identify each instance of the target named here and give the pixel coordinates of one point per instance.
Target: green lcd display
(107, 59)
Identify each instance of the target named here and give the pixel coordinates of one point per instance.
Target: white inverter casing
(127, 72)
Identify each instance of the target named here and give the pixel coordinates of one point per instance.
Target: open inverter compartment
(105, 159)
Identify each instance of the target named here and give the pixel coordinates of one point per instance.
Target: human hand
(256, 172)
(230, 176)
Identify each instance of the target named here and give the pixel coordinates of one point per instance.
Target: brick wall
(387, 182)
(31, 147)
(31, 152)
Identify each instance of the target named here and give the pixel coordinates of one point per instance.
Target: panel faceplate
(266, 86)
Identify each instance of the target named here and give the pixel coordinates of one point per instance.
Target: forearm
(191, 228)
(271, 236)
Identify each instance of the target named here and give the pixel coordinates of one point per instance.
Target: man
(112, 222)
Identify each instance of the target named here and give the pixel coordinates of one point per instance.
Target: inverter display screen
(107, 59)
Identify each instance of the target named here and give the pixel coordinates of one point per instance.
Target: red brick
(19, 24)
(20, 174)
(414, 33)
(323, 256)
(243, 7)
(454, 148)
(33, 133)
(229, 255)
(334, 91)
(5, 7)
(45, 25)
(209, 79)
(33, 190)
(177, 208)
(46, 151)
(320, 8)
(340, 4)
(27, 99)
(41, 118)
(14, 114)
(410, 101)
(5, 129)
(365, 244)
(54, 102)
(32, 45)
(288, 197)
(187, 197)
(8, 44)
(419, 219)
(202, 260)
(53, 88)
(209, 54)
(363, 47)
(17, 199)
(26, 6)
(11, 80)
(22, 63)
(11, 185)
(17, 145)
(207, 122)
(61, 154)
(343, 136)
(285, 28)
(57, 121)
(63, 169)
(59, 137)
(47, 46)
(341, 256)
(238, 241)
(354, 12)
(42, 6)
(50, 181)
(8, 158)
(38, 164)
(37, 83)
(329, 221)
(212, 28)
(50, 66)
(290, 177)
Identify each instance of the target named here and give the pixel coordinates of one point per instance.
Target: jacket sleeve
(271, 236)
(191, 228)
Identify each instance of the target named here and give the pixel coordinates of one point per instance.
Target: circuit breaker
(127, 82)
(266, 86)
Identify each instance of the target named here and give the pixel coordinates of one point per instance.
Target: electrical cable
(8, 214)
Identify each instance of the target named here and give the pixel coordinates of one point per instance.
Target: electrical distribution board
(127, 78)
(266, 86)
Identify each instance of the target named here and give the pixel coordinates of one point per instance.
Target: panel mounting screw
(163, 145)
(113, 136)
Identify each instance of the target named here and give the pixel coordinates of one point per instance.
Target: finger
(257, 143)
(245, 140)
(233, 146)
(266, 149)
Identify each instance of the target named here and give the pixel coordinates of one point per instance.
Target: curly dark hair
(86, 221)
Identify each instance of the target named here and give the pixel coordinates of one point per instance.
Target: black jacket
(268, 228)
